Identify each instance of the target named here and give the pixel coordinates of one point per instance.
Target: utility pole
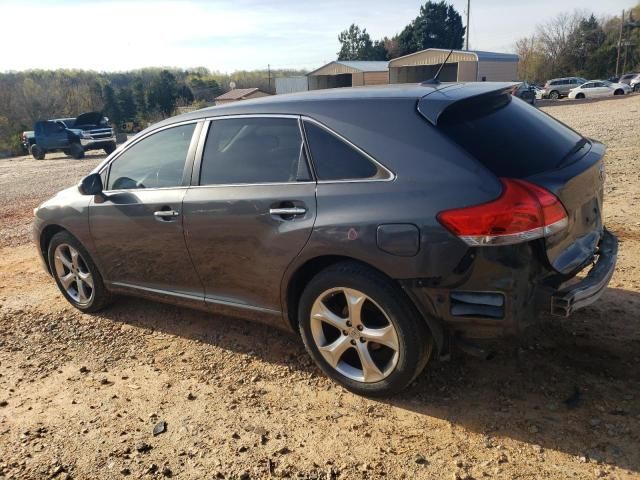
(269, 74)
(467, 32)
(619, 42)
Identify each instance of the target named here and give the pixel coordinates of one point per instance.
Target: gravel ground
(80, 395)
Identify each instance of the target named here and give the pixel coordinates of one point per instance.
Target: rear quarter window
(508, 136)
(334, 159)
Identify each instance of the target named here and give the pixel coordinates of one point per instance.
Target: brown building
(343, 73)
(462, 66)
(238, 94)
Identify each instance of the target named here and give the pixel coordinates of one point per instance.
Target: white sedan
(599, 88)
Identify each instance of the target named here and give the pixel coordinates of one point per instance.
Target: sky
(229, 35)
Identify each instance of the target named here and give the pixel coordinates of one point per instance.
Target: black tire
(415, 344)
(636, 87)
(580, 95)
(554, 95)
(100, 296)
(37, 152)
(76, 151)
(619, 92)
(109, 149)
(67, 152)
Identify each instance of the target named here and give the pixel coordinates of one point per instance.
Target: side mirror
(91, 185)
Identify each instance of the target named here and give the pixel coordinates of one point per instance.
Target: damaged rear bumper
(499, 291)
(590, 288)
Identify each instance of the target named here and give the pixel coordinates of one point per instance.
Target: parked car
(599, 88)
(384, 224)
(525, 92)
(539, 91)
(559, 87)
(626, 78)
(634, 83)
(29, 136)
(73, 136)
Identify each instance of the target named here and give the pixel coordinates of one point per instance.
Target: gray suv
(384, 224)
(559, 87)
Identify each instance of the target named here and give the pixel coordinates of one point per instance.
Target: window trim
(188, 165)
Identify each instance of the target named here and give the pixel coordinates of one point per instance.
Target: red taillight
(522, 212)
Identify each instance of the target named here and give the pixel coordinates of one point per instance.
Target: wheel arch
(303, 274)
(46, 235)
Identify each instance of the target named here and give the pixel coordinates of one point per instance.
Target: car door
(54, 136)
(587, 89)
(601, 89)
(137, 224)
(251, 213)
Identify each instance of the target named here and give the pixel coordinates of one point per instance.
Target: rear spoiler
(434, 103)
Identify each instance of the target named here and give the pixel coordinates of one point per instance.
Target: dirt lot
(81, 394)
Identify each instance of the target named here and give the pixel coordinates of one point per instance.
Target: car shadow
(571, 386)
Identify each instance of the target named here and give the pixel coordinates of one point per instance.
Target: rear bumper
(500, 291)
(566, 300)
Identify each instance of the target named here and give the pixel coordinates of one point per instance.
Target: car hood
(89, 118)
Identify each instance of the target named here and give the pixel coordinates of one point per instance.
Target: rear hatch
(517, 141)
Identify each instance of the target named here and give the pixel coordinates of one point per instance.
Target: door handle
(165, 214)
(288, 211)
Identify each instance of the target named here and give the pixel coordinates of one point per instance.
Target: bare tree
(554, 36)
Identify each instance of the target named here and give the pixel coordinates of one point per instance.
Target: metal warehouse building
(462, 66)
(354, 73)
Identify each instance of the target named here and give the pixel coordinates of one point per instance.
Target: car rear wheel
(75, 274)
(76, 151)
(109, 149)
(362, 331)
(37, 152)
(580, 95)
(554, 95)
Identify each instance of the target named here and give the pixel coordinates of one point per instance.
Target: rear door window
(511, 138)
(334, 159)
(254, 150)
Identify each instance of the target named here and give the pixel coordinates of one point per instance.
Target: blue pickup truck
(73, 136)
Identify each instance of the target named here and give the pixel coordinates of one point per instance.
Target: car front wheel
(362, 331)
(75, 274)
(76, 151)
(109, 149)
(37, 152)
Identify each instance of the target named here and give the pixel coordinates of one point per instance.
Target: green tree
(439, 25)
(140, 97)
(356, 44)
(127, 105)
(586, 39)
(163, 93)
(185, 95)
(111, 107)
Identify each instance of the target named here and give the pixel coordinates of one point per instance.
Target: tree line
(438, 25)
(143, 96)
(579, 44)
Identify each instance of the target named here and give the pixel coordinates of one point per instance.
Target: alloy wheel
(73, 274)
(354, 335)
